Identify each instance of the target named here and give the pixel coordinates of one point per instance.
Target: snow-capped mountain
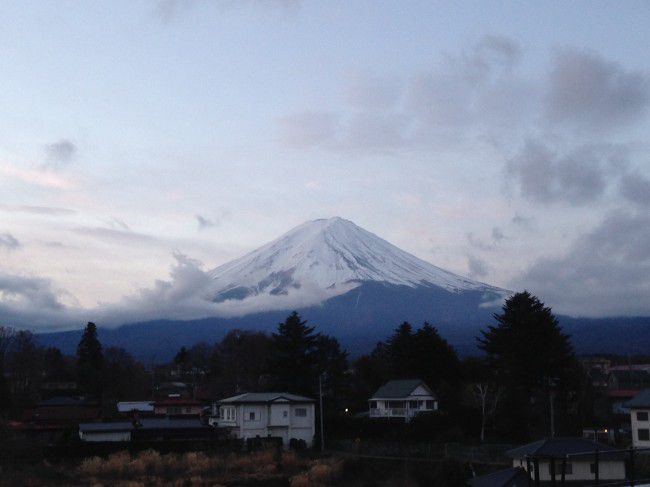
(324, 258)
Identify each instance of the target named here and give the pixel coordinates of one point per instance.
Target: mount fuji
(345, 280)
(324, 258)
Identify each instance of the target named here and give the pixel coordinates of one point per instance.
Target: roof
(128, 406)
(177, 402)
(641, 400)
(561, 447)
(264, 397)
(65, 401)
(145, 424)
(399, 388)
(510, 477)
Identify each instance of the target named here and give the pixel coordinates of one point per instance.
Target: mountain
(351, 284)
(324, 258)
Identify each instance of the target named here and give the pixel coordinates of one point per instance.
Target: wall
(106, 436)
(608, 470)
(636, 424)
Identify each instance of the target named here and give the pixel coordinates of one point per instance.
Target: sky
(145, 142)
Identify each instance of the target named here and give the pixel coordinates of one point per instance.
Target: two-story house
(402, 399)
(262, 414)
(639, 407)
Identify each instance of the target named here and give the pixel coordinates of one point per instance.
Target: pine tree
(90, 361)
(294, 361)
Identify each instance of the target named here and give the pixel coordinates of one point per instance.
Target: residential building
(639, 408)
(150, 429)
(178, 407)
(402, 399)
(262, 414)
(576, 456)
(624, 384)
(140, 409)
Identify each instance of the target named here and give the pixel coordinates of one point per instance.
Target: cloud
(578, 177)
(636, 188)
(115, 235)
(38, 178)
(38, 210)
(477, 266)
(118, 224)
(59, 153)
(497, 234)
(204, 222)
(526, 222)
(468, 93)
(8, 241)
(590, 92)
(606, 272)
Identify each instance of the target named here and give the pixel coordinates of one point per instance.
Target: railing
(396, 412)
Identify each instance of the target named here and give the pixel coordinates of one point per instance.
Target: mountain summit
(329, 257)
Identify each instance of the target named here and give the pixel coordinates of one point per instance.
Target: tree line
(527, 364)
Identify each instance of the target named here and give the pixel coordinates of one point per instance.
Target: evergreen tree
(401, 351)
(90, 361)
(294, 361)
(532, 358)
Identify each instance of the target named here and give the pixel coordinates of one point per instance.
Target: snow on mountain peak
(324, 258)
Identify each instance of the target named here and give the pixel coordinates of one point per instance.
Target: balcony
(396, 412)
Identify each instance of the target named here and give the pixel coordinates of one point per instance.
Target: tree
(25, 367)
(124, 377)
(241, 362)
(90, 361)
(530, 355)
(294, 362)
(6, 338)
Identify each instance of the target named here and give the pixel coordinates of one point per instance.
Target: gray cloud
(168, 10)
(605, 272)
(636, 188)
(38, 210)
(8, 241)
(579, 177)
(497, 234)
(204, 222)
(477, 266)
(586, 90)
(59, 153)
(115, 235)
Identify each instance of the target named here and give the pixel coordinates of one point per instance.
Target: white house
(576, 455)
(639, 408)
(402, 399)
(261, 414)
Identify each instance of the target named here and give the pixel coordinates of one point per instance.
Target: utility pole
(552, 415)
(320, 400)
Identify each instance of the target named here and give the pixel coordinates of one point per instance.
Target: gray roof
(264, 397)
(396, 389)
(510, 477)
(145, 424)
(641, 400)
(561, 447)
(128, 406)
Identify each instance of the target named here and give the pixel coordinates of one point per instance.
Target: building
(580, 459)
(402, 399)
(151, 429)
(510, 477)
(140, 409)
(625, 383)
(639, 408)
(263, 414)
(178, 407)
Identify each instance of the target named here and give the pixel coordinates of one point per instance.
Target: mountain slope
(329, 257)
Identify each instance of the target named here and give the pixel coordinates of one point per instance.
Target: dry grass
(198, 469)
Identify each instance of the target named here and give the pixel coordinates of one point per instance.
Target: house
(510, 477)
(580, 459)
(135, 408)
(178, 407)
(151, 429)
(639, 408)
(624, 384)
(48, 420)
(402, 399)
(261, 414)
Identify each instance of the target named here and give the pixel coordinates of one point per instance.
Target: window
(228, 414)
(568, 468)
(413, 404)
(252, 416)
(301, 412)
(285, 414)
(592, 467)
(373, 404)
(173, 410)
(642, 416)
(431, 404)
(643, 434)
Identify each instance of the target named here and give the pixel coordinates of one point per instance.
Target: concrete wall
(105, 436)
(636, 425)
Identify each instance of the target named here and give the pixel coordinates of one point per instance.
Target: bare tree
(487, 395)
